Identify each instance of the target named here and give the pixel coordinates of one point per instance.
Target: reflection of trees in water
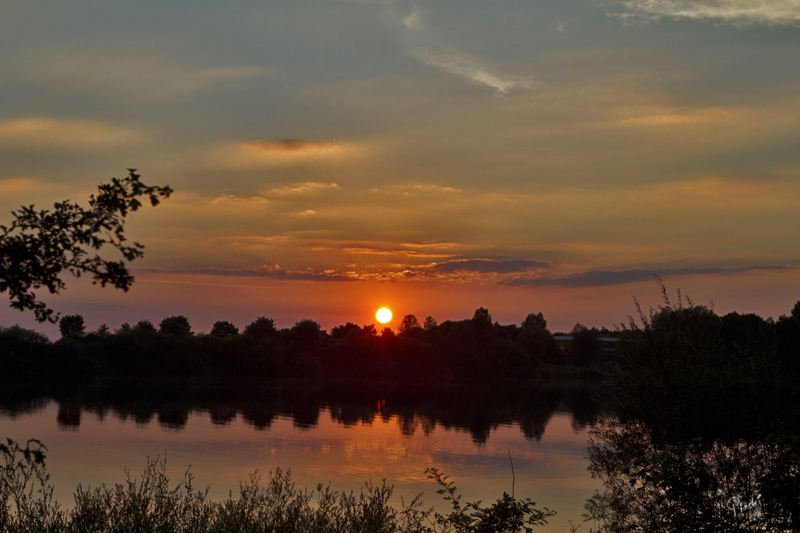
(476, 408)
(173, 418)
(691, 486)
(260, 417)
(69, 416)
(222, 416)
(705, 436)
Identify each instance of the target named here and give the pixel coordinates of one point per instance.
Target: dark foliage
(223, 328)
(71, 326)
(706, 423)
(175, 325)
(473, 349)
(149, 504)
(261, 328)
(38, 246)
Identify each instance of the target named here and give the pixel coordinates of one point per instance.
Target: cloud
(135, 76)
(295, 146)
(472, 69)
(602, 278)
(40, 132)
(737, 12)
(654, 116)
(450, 60)
(265, 271)
(408, 253)
(489, 266)
(227, 199)
(280, 152)
(17, 185)
(412, 21)
(308, 187)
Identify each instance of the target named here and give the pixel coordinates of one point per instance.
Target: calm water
(227, 434)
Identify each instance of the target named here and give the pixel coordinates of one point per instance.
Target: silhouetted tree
(307, 335)
(387, 332)
(176, 325)
(539, 344)
(71, 326)
(536, 320)
(369, 330)
(261, 328)
(696, 427)
(408, 325)
(584, 350)
(787, 333)
(39, 245)
(223, 328)
(430, 323)
(341, 332)
(144, 325)
(482, 325)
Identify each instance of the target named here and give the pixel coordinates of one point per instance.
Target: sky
(329, 157)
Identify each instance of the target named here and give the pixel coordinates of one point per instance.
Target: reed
(150, 503)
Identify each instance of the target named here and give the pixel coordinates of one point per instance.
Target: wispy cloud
(279, 152)
(265, 271)
(516, 272)
(737, 12)
(407, 253)
(295, 146)
(431, 51)
(40, 132)
(136, 76)
(308, 187)
(486, 266)
(472, 69)
(227, 199)
(602, 278)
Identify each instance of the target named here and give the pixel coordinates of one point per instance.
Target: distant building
(607, 344)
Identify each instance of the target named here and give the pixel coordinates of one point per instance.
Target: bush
(148, 504)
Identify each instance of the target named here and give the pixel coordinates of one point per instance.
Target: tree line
(466, 349)
(475, 348)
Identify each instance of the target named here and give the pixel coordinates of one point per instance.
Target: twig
(513, 477)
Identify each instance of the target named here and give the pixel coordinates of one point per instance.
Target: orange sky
(434, 157)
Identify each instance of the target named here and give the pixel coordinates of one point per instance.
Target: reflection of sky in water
(552, 472)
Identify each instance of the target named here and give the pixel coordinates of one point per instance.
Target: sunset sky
(332, 157)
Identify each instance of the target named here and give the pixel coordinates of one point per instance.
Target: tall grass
(150, 503)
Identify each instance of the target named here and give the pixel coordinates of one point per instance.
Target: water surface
(343, 440)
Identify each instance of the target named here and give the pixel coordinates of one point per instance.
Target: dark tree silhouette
(144, 325)
(308, 335)
(535, 320)
(39, 245)
(408, 325)
(261, 328)
(176, 325)
(71, 326)
(341, 332)
(584, 350)
(430, 323)
(223, 328)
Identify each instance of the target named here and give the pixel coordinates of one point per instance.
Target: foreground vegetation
(151, 504)
(705, 434)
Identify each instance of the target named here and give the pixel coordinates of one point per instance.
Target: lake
(342, 434)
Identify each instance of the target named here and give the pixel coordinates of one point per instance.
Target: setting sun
(383, 315)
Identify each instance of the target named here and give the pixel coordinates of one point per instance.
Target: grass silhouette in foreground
(149, 504)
